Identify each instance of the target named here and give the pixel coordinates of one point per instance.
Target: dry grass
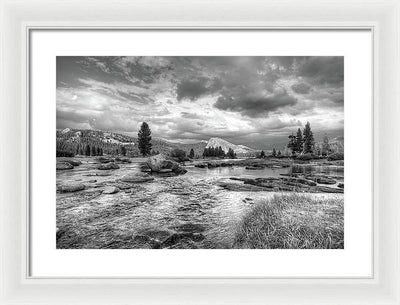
(293, 222)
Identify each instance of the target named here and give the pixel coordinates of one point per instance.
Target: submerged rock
(71, 187)
(241, 187)
(108, 166)
(179, 237)
(157, 235)
(137, 177)
(110, 190)
(105, 159)
(326, 189)
(322, 180)
(254, 167)
(279, 184)
(185, 243)
(100, 174)
(64, 166)
(190, 227)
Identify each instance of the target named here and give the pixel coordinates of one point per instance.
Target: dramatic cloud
(192, 89)
(255, 101)
(301, 88)
(256, 105)
(322, 70)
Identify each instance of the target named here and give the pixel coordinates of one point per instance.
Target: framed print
(189, 151)
(200, 158)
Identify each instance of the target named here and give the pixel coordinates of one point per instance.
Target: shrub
(178, 155)
(305, 157)
(64, 153)
(336, 156)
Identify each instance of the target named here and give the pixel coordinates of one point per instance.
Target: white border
(17, 17)
(354, 261)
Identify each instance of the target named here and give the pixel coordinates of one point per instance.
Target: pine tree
(212, 152)
(274, 152)
(123, 150)
(87, 150)
(98, 151)
(292, 143)
(262, 154)
(308, 139)
(93, 153)
(205, 152)
(231, 154)
(221, 152)
(299, 141)
(144, 139)
(279, 153)
(191, 154)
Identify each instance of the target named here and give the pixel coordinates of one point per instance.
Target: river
(193, 200)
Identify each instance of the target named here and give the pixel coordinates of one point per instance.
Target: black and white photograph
(209, 152)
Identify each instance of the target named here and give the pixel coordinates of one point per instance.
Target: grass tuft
(293, 222)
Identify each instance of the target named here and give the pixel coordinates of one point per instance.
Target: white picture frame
(18, 18)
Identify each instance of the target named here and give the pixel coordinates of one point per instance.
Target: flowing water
(194, 199)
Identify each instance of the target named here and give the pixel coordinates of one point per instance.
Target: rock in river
(64, 165)
(110, 190)
(137, 177)
(160, 163)
(107, 166)
(71, 187)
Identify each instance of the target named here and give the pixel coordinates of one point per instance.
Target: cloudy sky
(255, 101)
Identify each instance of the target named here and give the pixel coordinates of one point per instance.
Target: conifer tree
(299, 141)
(144, 139)
(123, 150)
(191, 154)
(308, 139)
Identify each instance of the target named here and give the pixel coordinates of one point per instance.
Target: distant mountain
(240, 150)
(334, 145)
(337, 144)
(75, 141)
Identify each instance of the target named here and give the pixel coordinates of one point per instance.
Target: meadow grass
(293, 222)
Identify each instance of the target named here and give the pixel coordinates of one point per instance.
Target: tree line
(218, 152)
